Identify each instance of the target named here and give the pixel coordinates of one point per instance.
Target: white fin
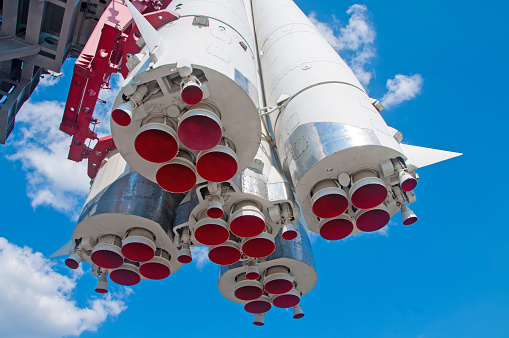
(148, 32)
(64, 250)
(422, 157)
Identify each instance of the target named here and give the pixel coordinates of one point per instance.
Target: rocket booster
(236, 117)
(348, 169)
(188, 110)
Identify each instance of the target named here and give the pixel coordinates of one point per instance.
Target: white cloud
(355, 40)
(402, 88)
(48, 80)
(42, 149)
(200, 256)
(102, 111)
(36, 300)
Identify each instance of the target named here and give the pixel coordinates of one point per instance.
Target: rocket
(238, 128)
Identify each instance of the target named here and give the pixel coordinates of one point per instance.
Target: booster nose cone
(328, 200)
(158, 267)
(372, 219)
(178, 175)
(200, 129)
(337, 228)
(139, 245)
(106, 254)
(368, 191)
(289, 299)
(126, 275)
(227, 253)
(258, 247)
(260, 305)
(211, 232)
(123, 114)
(156, 141)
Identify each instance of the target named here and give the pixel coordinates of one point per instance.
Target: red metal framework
(106, 51)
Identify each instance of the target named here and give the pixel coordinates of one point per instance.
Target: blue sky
(441, 69)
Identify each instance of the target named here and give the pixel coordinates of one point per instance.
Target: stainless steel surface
(310, 143)
(132, 194)
(298, 249)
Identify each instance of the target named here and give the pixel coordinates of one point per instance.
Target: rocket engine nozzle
(191, 91)
(336, 228)
(200, 128)
(102, 284)
(158, 267)
(258, 306)
(156, 141)
(107, 253)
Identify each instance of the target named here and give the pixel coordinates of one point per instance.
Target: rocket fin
(422, 157)
(148, 32)
(64, 250)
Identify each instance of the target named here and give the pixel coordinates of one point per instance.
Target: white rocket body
(211, 47)
(327, 128)
(126, 219)
(187, 120)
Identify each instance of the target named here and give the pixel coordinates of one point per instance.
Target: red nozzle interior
(125, 277)
(185, 259)
(257, 306)
(121, 117)
(369, 196)
(409, 184)
(247, 226)
(249, 292)
(224, 255)
(175, 177)
(286, 301)
(71, 263)
(138, 252)
(211, 234)
(156, 146)
(278, 286)
(252, 275)
(258, 247)
(154, 270)
(216, 166)
(289, 235)
(192, 94)
(199, 132)
(107, 259)
(410, 220)
(215, 212)
(336, 229)
(330, 206)
(373, 220)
